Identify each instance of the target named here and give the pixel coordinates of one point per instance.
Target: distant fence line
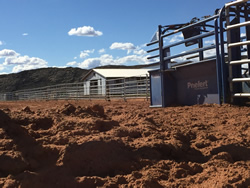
(131, 87)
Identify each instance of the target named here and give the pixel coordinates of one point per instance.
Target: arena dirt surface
(123, 144)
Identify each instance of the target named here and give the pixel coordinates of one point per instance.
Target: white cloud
(61, 67)
(22, 63)
(2, 73)
(8, 53)
(90, 63)
(176, 38)
(25, 34)
(2, 67)
(138, 57)
(243, 35)
(143, 45)
(208, 53)
(107, 59)
(140, 52)
(85, 31)
(210, 41)
(75, 57)
(101, 51)
(133, 58)
(122, 46)
(245, 46)
(1, 43)
(24, 60)
(86, 53)
(72, 63)
(83, 55)
(19, 68)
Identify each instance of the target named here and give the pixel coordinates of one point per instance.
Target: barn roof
(116, 73)
(119, 73)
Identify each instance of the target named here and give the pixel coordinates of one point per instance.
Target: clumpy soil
(118, 143)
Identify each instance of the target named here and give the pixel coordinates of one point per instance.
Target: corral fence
(131, 87)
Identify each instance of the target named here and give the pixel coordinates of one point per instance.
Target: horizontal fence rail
(131, 87)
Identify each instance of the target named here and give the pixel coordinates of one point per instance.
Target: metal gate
(237, 22)
(199, 77)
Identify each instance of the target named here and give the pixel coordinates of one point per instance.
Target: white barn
(97, 80)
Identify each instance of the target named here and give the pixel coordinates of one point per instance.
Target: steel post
(218, 60)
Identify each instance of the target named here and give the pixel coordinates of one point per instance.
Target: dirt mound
(123, 144)
(98, 158)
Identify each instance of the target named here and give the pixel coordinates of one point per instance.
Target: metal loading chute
(224, 63)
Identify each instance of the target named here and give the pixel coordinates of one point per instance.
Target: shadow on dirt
(237, 152)
(38, 163)
(99, 158)
(29, 154)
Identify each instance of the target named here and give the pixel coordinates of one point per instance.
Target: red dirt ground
(123, 144)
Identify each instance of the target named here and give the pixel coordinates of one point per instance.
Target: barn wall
(93, 76)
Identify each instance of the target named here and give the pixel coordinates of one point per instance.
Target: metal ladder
(234, 42)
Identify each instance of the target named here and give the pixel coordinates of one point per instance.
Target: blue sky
(86, 33)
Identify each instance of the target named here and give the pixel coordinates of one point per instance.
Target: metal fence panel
(114, 88)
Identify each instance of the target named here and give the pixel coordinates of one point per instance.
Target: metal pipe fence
(131, 87)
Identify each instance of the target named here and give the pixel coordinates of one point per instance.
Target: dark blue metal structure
(215, 73)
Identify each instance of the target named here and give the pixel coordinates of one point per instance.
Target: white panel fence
(132, 87)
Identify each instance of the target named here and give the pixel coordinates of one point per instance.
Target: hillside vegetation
(40, 78)
(51, 76)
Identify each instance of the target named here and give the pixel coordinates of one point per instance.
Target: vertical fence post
(124, 88)
(218, 60)
(247, 18)
(106, 90)
(147, 87)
